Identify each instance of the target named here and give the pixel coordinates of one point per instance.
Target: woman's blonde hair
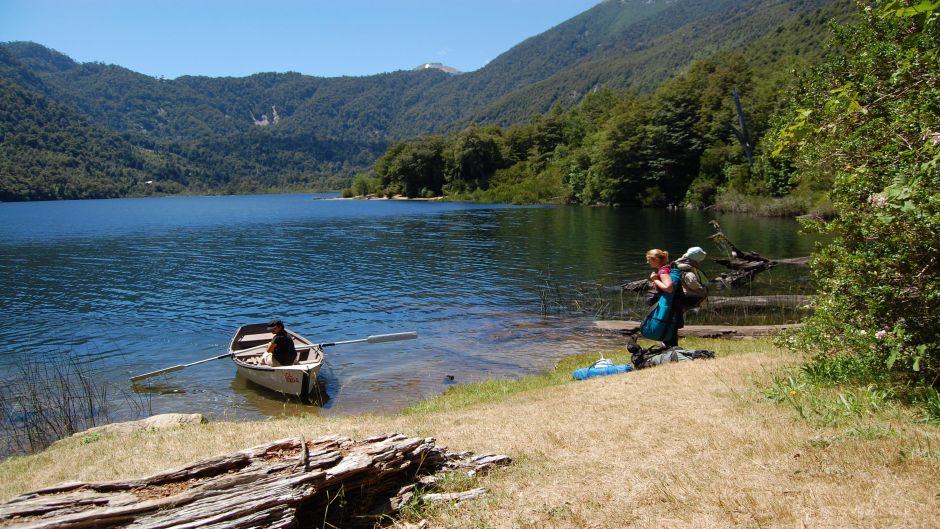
(659, 255)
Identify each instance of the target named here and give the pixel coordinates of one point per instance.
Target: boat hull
(298, 380)
(290, 381)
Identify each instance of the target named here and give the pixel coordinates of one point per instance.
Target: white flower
(878, 200)
(881, 335)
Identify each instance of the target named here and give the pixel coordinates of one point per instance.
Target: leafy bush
(362, 185)
(869, 121)
(932, 408)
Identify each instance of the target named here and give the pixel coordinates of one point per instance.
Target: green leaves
(866, 120)
(794, 132)
(900, 9)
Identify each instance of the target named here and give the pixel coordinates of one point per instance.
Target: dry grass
(682, 445)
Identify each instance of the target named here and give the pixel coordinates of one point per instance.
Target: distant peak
(438, 66)
(38, 57)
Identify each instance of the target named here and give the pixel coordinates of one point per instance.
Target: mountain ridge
(331, 127)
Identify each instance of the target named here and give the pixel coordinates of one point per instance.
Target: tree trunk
(286, 483)
(701, 331)
(758, 302)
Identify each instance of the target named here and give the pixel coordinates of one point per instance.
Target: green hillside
(293, 131)
(48, 151)
(51, 151)
(763, 31)
(675, 145)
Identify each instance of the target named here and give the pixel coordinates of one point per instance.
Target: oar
(184, 366)
(378, 338)
(176, 368)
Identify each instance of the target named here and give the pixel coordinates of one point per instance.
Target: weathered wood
(640, 285)
(278, 484)
(737, 256)
(701, 331)
(719, 303)
(744, 265)
(455, 496)
(795, 261)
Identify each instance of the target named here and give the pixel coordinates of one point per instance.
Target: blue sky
(316, 37)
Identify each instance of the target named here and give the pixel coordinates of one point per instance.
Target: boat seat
(263, 337)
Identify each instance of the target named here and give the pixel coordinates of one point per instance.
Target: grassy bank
(701, 444)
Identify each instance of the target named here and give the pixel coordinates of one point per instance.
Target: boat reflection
(272, 403)
(156, 389)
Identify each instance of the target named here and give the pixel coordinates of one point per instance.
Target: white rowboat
(298, 380)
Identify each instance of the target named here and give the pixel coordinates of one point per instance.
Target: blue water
(132, 285)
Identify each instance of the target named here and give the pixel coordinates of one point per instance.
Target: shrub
(869, 121)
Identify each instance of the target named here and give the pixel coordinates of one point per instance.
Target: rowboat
(298, 380)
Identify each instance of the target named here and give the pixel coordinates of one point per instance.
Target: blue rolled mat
(599, 371)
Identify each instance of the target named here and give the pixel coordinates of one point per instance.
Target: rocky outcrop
(166, 420)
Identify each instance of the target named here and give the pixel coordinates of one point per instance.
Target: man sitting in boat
(281, 351)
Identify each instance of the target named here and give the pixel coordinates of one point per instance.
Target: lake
(128, 286)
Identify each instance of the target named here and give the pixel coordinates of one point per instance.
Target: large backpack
(658, 355)
(693, 290)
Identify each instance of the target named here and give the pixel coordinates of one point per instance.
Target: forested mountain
(293, 131)
(681, 144)
(49, 150)
(646, 56)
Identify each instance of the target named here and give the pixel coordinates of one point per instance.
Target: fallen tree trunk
(758, 302)
(735, 278)
(701, 331)
(286, 483)
(640, 285)
(795, 261)
(744, 265)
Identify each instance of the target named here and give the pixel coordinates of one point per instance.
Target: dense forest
(684, 143)
(287, 131)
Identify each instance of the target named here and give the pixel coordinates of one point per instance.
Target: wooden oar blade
(157, 372)
(177, 368)
(380, 338)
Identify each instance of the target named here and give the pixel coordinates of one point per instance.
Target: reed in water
(46, 400)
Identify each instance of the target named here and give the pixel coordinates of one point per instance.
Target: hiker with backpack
(665, 319)
(676, 286)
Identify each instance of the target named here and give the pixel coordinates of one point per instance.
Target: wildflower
(881, 335)
(792, 392)
(878, 200)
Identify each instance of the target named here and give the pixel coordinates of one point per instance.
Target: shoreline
(396, 197)
(625, 450)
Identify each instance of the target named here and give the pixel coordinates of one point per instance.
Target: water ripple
(139, 284)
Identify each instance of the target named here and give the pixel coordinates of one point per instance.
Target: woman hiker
(665, 319)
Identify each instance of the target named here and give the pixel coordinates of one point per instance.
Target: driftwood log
(640, 285)
(758, 302)
(331, 482)
(701, 331)
(743, 265)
